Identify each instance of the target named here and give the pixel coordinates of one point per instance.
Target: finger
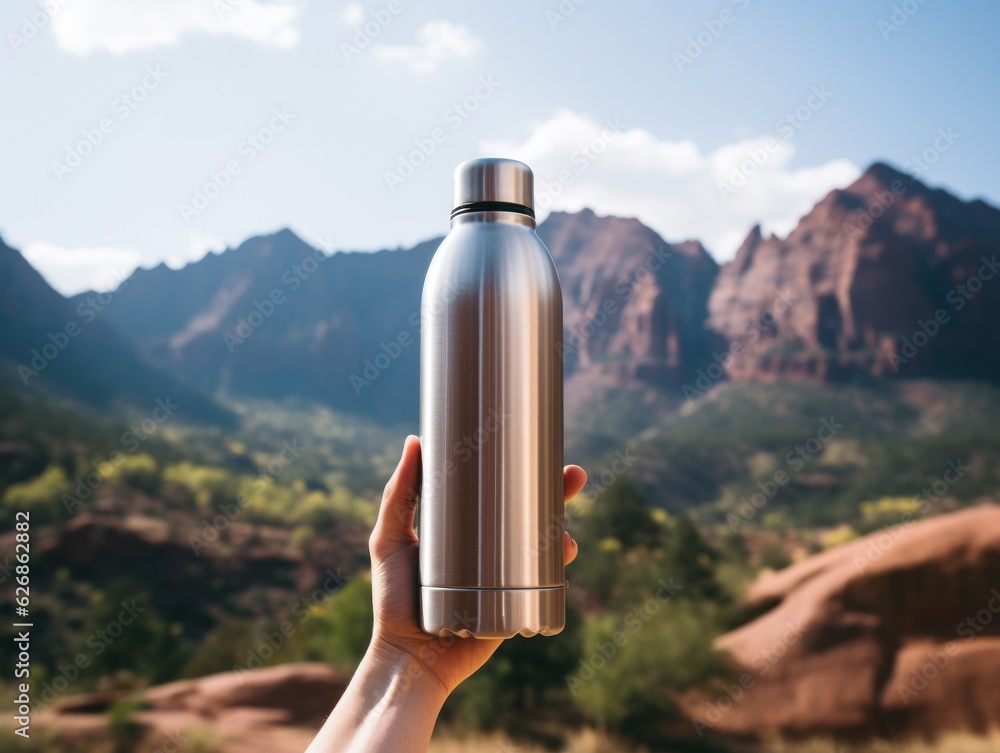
(570, 547)
(574, 479)
(394, 528)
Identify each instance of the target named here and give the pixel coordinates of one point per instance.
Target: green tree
(622, 512)
(692, 562)
(223, 648)
(618, 523)
(522, 690)
(40, 495)
(775, 557)
(124, 633)
(138, 472)
(634, 665)
(339, 630)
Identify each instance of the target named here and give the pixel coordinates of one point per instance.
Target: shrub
(41, 494)
(635, 665)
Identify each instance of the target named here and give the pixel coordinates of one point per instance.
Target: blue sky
(645, 109)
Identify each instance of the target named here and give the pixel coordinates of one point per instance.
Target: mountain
(276, 318)
(51, 346)
(887, 277)
(635, 305)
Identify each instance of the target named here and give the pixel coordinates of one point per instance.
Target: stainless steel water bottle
(491, 417)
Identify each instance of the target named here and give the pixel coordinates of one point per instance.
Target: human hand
(398, 690)
(394, 546)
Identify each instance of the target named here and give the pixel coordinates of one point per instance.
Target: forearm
(391, 703)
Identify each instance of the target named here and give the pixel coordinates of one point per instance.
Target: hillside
(276, 318)
(71, 350)
(227, 524)
(789, 458)
(885, 277)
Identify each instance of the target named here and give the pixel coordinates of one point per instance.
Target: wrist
(410, 671)
(391, 703)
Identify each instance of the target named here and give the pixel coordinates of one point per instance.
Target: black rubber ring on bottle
(492, 206)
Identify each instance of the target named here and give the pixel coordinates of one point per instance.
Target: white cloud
(438, 41)
(671, 186)
(73, 270)
(353, 15)
(101, 268)
(120, 26)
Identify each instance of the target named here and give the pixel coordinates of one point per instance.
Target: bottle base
(492, 613)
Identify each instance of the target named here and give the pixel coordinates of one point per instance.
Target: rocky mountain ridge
(885, 277)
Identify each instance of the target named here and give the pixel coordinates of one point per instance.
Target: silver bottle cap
(494, 184)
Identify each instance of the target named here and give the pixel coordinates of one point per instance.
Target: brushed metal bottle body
(491, 414)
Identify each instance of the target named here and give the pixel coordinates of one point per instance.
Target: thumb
(394, 528)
